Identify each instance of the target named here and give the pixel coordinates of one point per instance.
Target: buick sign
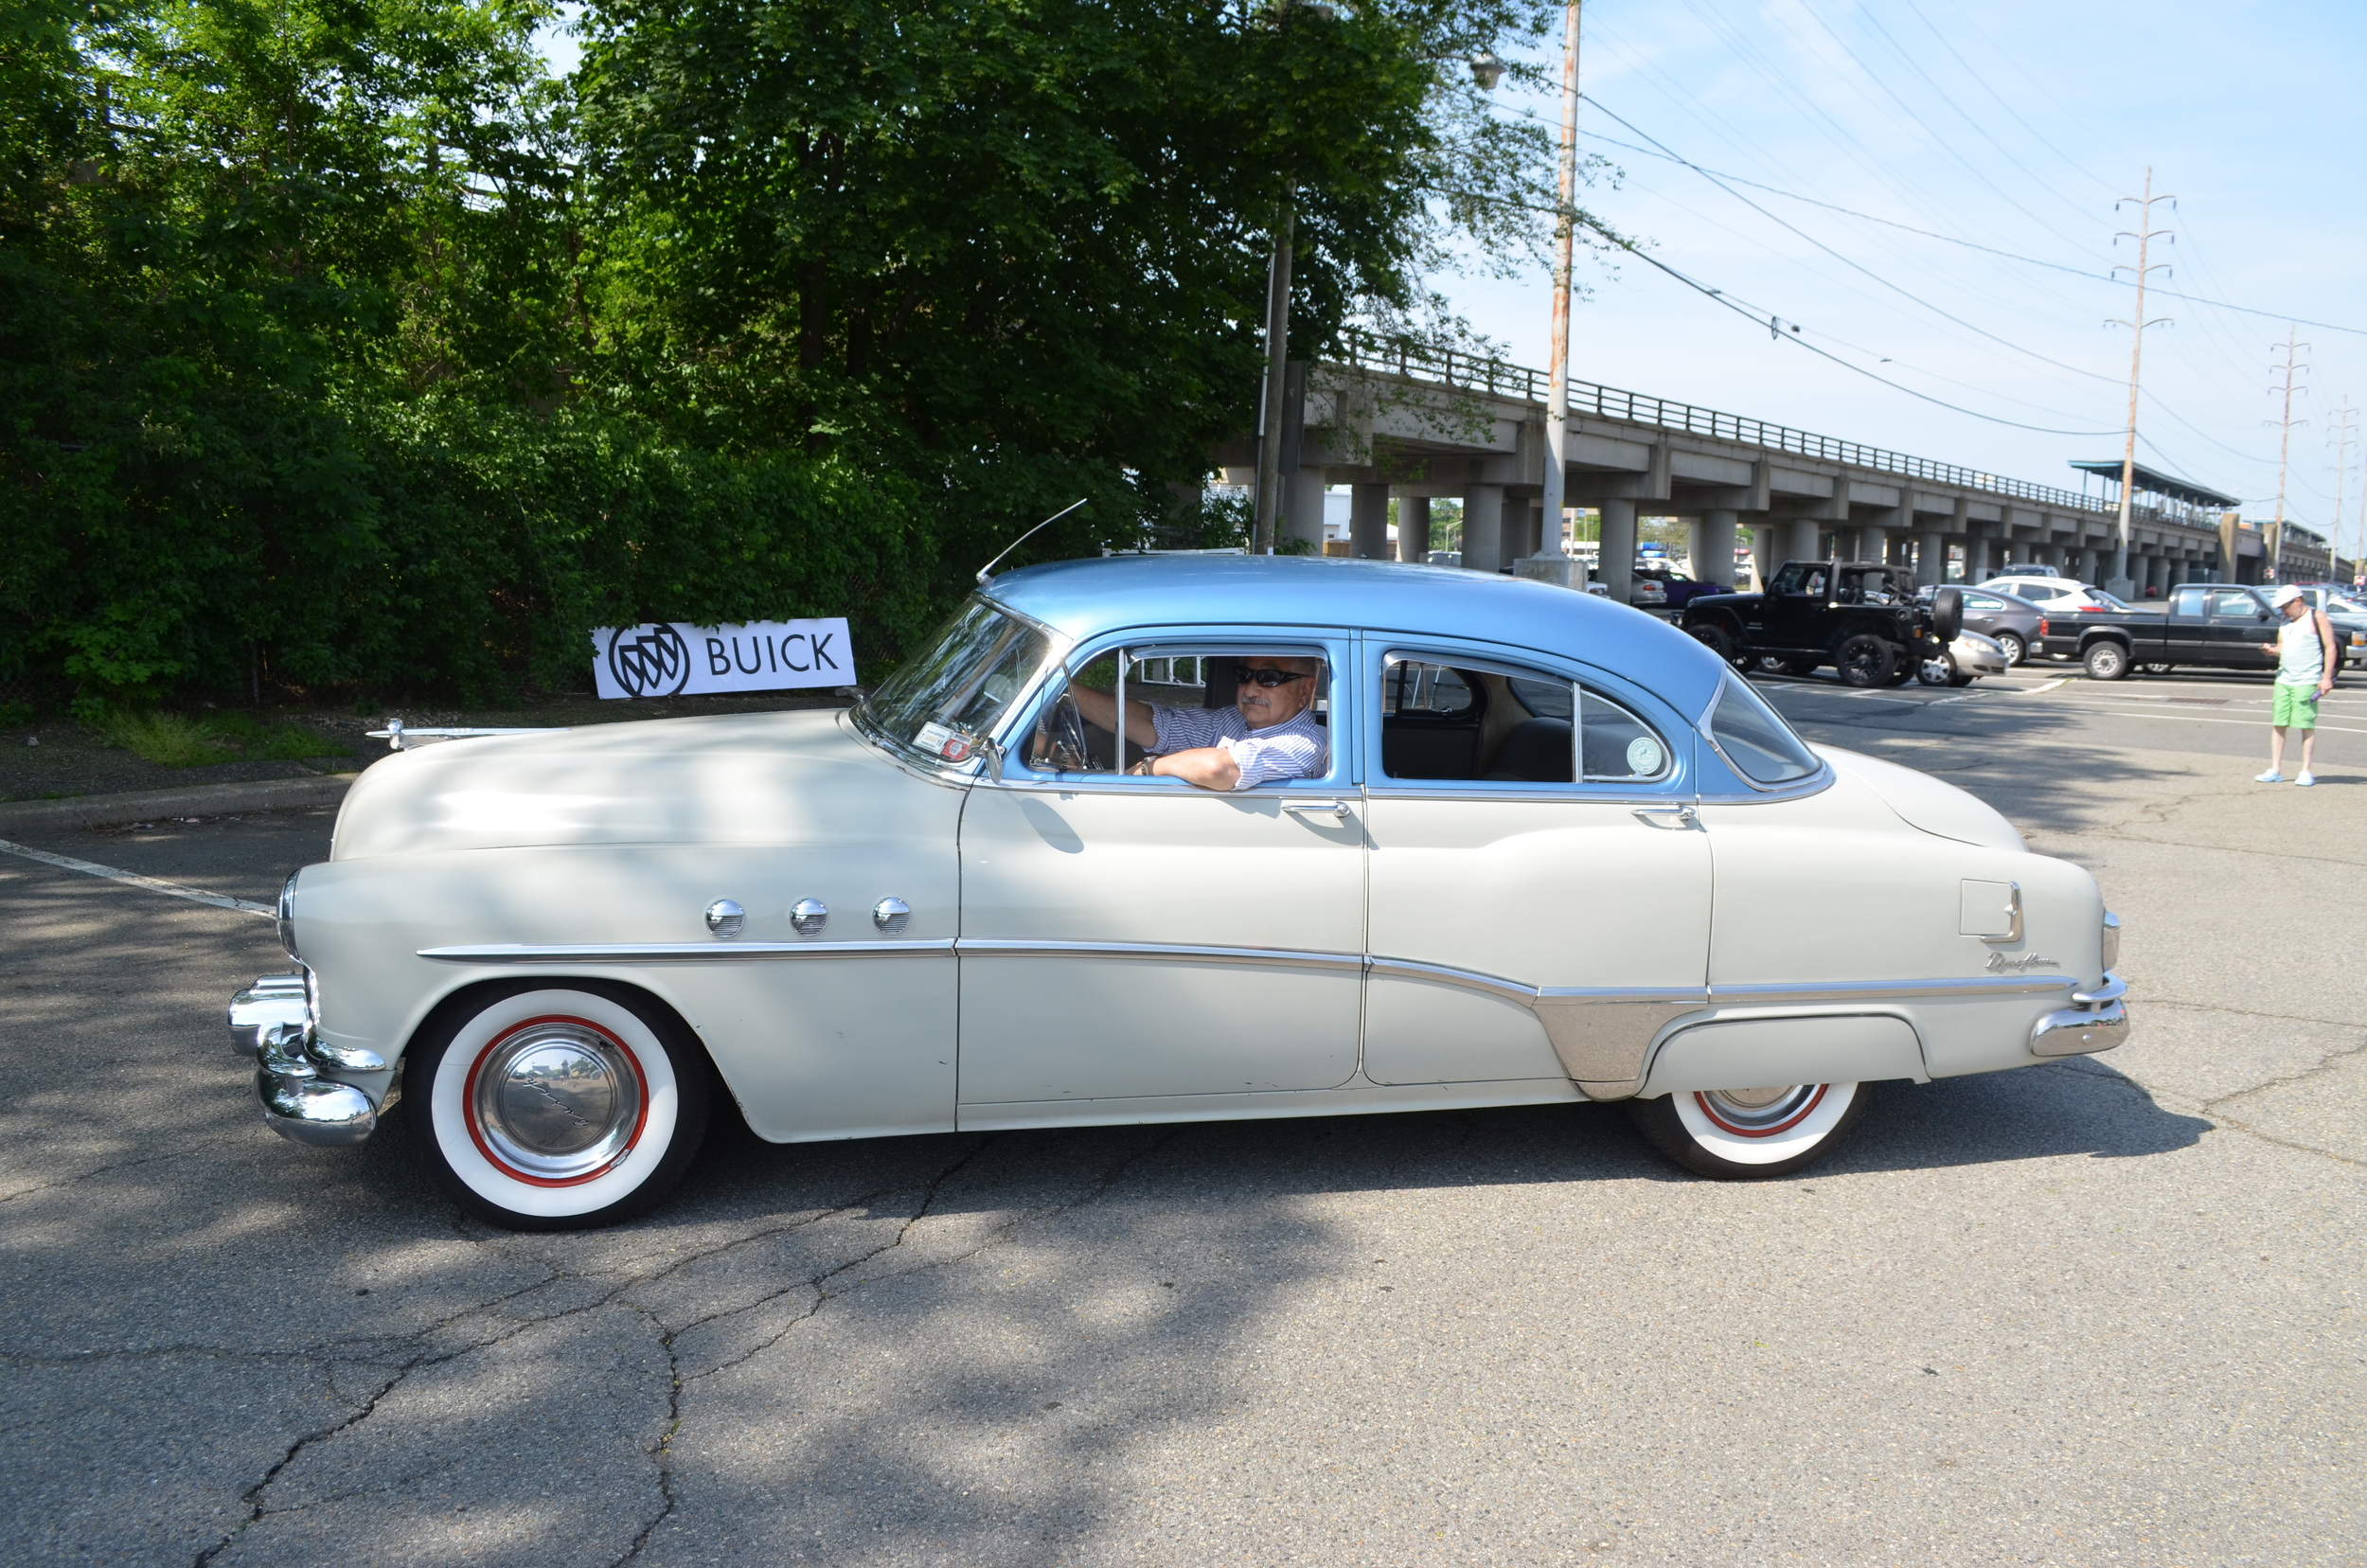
(676, 659)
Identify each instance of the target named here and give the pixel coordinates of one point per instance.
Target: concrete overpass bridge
(1412, 427)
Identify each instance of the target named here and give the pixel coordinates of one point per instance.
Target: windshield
(949, 696)
(2100, 597)
(1756, 739)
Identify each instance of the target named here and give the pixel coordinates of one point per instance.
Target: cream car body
(873, 933)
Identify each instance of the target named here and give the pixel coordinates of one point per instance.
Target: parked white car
(1550, 849)
(2056, 594)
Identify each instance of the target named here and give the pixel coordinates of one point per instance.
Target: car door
(1509, 877)
(1981, 612)
(2240, 628)
(1792, 610)
(1134, 938)
(2187, 626)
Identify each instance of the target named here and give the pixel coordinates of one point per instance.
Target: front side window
(1756, 739)
(1510, 726)
(2235, 603)
(1222, 719)
(945, 700)
(1799, 580)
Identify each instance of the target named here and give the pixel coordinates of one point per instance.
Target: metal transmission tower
(2292, 366)
(2340, 437)
(2145, 233)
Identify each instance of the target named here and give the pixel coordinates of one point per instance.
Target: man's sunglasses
(1266, 678)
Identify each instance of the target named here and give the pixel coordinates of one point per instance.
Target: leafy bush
(178, 740)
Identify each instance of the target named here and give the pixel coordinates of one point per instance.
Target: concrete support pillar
(1414, 530)
(1524, 525)
(1803, 541)
(1303, 508)
(1618, 552)
(1713, 548)
(1368, 523)
(1870, 543)
(1764, 555)
(1930, 557)
(1976, 556)
(1482, 527)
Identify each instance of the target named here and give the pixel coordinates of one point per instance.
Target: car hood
(1921, 801)
(736, 779)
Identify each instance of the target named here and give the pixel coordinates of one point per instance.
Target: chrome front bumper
(272, 1023)
(2097, 1020)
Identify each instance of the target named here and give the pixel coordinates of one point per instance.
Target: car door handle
(1338, 809)
(1675, 818)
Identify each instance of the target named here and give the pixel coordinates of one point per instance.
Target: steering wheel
(1060, 740)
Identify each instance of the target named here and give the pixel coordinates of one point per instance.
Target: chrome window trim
(1172, 640)
(1057, 646)
(1673, 780)
(1790, 788)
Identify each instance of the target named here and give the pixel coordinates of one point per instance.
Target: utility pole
(1558, 360)
(2145, 236)
(2292, 346)
(1277, 367)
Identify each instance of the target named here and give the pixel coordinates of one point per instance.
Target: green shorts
(2296, 706)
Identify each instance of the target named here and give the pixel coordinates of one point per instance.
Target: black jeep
(1859, 617)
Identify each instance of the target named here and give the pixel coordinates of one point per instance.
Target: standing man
(2307, 660)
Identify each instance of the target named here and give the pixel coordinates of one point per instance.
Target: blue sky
(2011, 124)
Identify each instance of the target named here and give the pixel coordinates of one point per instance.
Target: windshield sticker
(951, 745)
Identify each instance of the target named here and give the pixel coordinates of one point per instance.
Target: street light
(1487, 70)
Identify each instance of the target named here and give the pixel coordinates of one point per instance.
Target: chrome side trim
(1407, 968)
(676, 953)
(985, 946)
(1884, 991)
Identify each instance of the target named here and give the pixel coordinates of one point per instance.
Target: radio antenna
(988, 570)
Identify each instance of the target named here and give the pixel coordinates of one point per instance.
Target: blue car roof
(1081, 597)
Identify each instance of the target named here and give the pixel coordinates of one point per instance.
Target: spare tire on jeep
(1948, 614)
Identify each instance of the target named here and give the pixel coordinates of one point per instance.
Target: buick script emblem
(649, 661)
(1999, 963)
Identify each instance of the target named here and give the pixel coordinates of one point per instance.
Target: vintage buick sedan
(1530, 846)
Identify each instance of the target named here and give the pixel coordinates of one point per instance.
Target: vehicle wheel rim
(1759, 1112)
(2013, 649)
(556, 1102)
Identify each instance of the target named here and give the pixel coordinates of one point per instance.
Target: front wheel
(1745, 1135)
(556, 1106)
(1865, 660)
(2105, 661)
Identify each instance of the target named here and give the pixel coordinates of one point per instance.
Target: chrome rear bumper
(2097, 1021)
(271, 1023)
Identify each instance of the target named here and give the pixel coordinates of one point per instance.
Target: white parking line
(92, 868)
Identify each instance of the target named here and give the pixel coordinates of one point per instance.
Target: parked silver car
(2012, 621)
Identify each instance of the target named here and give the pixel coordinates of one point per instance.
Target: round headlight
(287, 915)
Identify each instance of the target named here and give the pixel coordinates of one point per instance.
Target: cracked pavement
(2101, 1311)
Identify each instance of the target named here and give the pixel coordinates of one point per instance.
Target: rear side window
(1756, 739)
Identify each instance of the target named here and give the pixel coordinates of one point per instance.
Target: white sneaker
(2307, 779)
(2271, 777)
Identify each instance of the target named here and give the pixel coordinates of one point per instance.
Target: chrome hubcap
(557, 1099)
(1760, 1113)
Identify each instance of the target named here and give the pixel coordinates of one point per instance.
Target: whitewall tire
(1745, 1134)
(560, 1106)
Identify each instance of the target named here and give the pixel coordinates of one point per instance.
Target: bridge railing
(1475, 373)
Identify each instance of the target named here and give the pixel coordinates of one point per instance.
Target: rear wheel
(1801, 665)
(1743, 1134)
(2015, 650)
(1865, 660)
(1722, 641)
(2105, 661)
(556, 1106)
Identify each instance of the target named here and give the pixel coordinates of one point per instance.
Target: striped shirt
(1296, 748)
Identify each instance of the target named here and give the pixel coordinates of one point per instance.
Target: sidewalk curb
(106, 811)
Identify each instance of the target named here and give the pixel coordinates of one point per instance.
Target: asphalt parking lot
(2105, 1312)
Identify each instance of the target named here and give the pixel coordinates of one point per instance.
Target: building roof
(2152, 481)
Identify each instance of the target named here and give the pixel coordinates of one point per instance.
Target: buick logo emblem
(649, 661)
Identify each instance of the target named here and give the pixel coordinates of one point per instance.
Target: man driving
(1268, 733)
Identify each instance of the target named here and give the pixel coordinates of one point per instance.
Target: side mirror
(993, 750)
